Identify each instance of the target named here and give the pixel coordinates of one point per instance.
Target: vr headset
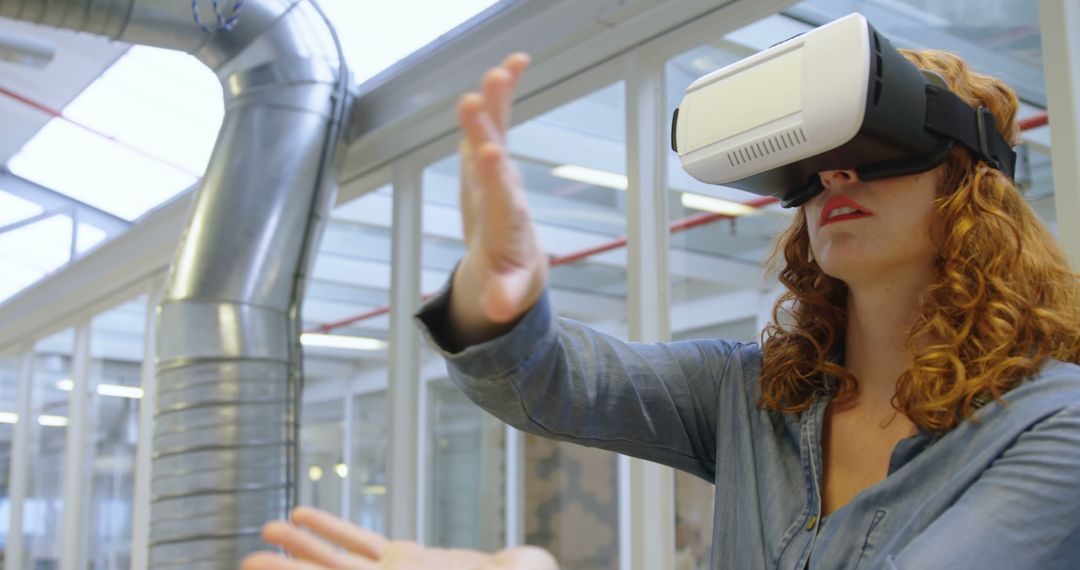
(835, 98)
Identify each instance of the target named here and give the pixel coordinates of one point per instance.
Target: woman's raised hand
(504, 270)
(320, 541)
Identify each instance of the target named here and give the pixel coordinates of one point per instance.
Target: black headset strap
(948, 115)
(952, 118)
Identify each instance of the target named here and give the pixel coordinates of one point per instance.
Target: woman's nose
(831, 178)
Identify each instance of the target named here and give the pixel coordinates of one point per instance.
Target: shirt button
(810, 522)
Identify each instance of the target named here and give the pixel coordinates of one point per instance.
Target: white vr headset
(837, 97)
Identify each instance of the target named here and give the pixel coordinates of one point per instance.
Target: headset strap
(948, 115)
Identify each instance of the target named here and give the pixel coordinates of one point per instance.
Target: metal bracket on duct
(228, 359)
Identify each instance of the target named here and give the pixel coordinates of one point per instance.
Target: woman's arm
(560, 379)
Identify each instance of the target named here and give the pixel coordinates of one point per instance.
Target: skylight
(137, 136)
(376, 35)
(35, 250)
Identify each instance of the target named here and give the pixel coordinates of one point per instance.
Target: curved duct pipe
(228, 371)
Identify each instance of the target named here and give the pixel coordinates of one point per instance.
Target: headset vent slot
(764, 147)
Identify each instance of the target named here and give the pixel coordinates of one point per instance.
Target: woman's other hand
(318, 540)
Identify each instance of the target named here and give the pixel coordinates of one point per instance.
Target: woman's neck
(879, 319)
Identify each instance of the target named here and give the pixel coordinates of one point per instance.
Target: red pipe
(1040, 120)
(31, 103)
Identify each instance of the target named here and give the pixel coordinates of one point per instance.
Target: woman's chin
(847, 268)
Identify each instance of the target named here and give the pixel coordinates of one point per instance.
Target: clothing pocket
(873, 535)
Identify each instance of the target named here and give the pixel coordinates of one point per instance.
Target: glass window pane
(467, 485)
(112, 432)
(346, 326)
(43, 507)
(321, 453)
(9, 387)
(464, 488)
(367, 472)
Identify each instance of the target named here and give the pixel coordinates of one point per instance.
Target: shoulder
(1049, 398)
(1054, 387)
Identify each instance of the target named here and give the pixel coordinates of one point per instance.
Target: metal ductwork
(228, 368)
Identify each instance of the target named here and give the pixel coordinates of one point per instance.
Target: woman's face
(888, 237)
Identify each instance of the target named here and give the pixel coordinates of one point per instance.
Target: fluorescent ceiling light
(591, 176)
(53, 421)
(341, 341)
(341, 470)
(114, 390)
(120, 391)
(315, 473)
(710, 204)
(374, 489)
(9, 418)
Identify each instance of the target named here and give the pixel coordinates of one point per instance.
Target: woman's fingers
(525, 558)
(475, 120)
(499, 180)
(304, 545)
(466, 197)
(515, 65)
(343, 533)
(271, 561)
(498, 87)
(497, 95)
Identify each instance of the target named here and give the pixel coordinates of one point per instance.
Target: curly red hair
(1004, 298)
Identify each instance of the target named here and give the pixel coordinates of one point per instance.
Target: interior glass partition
(9, 388)
(322, 431)
(345, 341)
(43, 506)
(463, 447)
(113, 399)
(367, 468)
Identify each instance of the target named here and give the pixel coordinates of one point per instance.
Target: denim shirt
(1001, 490)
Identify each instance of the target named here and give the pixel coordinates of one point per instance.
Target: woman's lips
(835, 202)
(840, 218)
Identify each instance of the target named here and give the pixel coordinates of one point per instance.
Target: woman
(914, 404)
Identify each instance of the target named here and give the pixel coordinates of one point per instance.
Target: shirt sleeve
(1022, 512)
(560, 379)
